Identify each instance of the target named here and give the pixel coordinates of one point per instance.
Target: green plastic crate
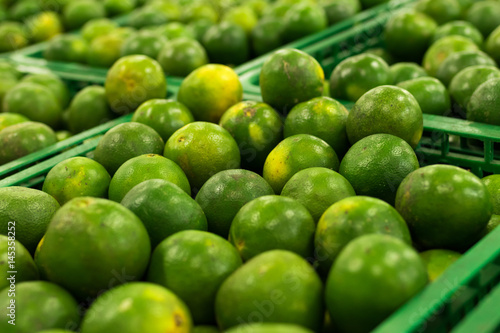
(34, 54)
(75, 83)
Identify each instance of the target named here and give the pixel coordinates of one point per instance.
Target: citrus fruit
(317, 189)
(296, 153)
(22, 9)
(243, 16)
(443, 48)
(55, 331)
(7, 82)
(13, 36)
(143, 42)
(77, 13)
(88, 109)
(430, 93)
(44, 26)
(163, 115)
(193, 264)
(256, 128)
(111, 243)
(372, 3)
(381, 52)
(8, 68)
(202, 149)
(142, 168)
(461, 28)
(445, 206)
(144, 307)
(463, 85)
(437, 261)
(288, 77)
(493, 45)
(38, 305)
(63, 135)
(199, 27)
(337, 11)
(133, 80)
(53, 83)
(404, 71)
(492, 183)
(485, 15)
(124, 142)
(23, 139)
(164, 208)
(181, 56)
(76, 177)
(105, 50)
(302, 20)
(441, 11)
(7, 119)
(272, 222)
(274, 287)
(389, 110)
(459, 61)
(146, 17)
(66, 48)
(226, 43)
(119, 7)
(14, 256)
(266, 35)
(174, 30)
(408, 33)
(484, 103)
(353, 217)
(171, 9)
(97, 27)
(356, 75)
(377, 164)
(209, 91)
(223, 195)
(34, 101)
(269, 328)
(322, 117)
(372, 277)
(205, 329)
(258, 6)
(492, 224)
(200, 10)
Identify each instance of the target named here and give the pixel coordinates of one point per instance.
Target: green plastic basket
(75, 83)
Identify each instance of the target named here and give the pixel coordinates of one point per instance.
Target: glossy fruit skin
(133, 80)
(421, 205)
(226, 43)
(144, 42)
(377, 164)
(88, 226)
(181, 56)
(269, 328)
(76, 177)
(404, 71)
(485, 15)
(461, 28)
(23, 139)
(142, 168)
(430, 93)
(193, 264)
(444, 48)
(266, 35)
(492, 45)
(337, 11)
(202, 149)
(8, 82)
(441, 11)
(88, 109)
(209, 91)
(459, 61)
(152, 309)
(372, 277)
(42, 305)
(105, 50)
(24, 265)
(296, 153)
(356, 75)
(317, 189)
(97, 27)
(322, 117)
(408, 34)
(257, 295)
(120, 144)
(119, 7)
(257, 128)
(53, 83)
(44, 26)
(437, 261)
(244, 16)
(163, 115)
(13, 36)
(66, 48)
(289, 77)
(225, 193)
(302, 20)
(164, 208)
(272, 222)
(484, 103)
(34, 101)
(199, 27)
(492, 183)
(389, 110)
(174, 30)
(77, 13)
(463, 85)
(8, 119)
(32, 211)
